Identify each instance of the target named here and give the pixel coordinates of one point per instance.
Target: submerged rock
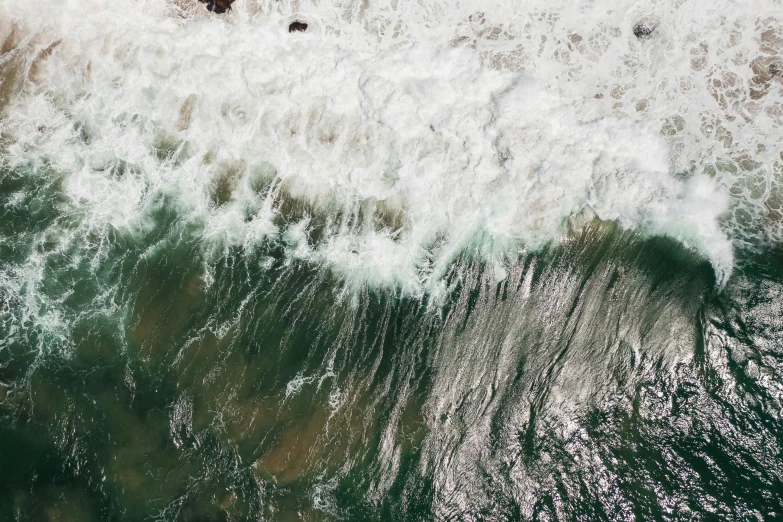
(645, 26)
(218, 6)
(643, 30)
(297, 26)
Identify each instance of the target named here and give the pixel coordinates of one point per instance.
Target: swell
(585, 368)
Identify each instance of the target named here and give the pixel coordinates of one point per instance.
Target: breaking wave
(388, 140)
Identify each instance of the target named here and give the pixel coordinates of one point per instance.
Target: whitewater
(425, 260)
(422, 130)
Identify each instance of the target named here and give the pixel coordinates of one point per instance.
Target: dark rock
(218, 6)
(297, 26)
(776, 69)
(643, 30)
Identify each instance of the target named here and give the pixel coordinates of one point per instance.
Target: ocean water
(427, 260)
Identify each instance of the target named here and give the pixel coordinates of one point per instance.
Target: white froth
(419, 146)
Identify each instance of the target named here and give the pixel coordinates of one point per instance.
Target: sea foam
(402, 156)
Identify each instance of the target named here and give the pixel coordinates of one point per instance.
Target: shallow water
(423, 261)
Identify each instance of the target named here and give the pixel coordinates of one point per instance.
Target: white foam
(455, 153)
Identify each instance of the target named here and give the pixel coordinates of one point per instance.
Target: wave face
(424, 260)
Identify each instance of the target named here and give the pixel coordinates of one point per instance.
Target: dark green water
(606, 378)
